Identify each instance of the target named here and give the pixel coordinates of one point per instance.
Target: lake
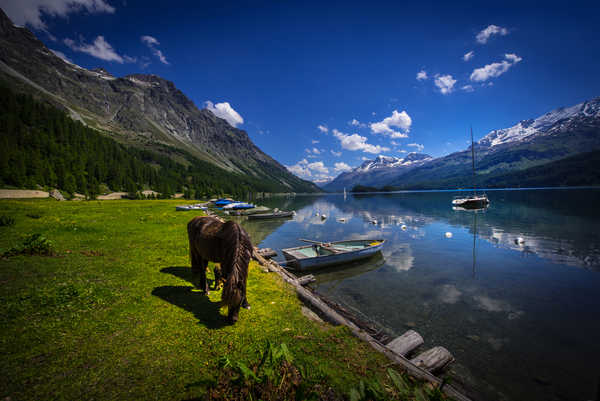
(513, 292)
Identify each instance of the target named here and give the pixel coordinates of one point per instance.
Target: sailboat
(475, 201)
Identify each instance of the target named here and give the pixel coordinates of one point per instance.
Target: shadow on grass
(196, 302)
(185, 273)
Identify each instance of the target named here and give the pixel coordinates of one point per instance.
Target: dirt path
(22, 193)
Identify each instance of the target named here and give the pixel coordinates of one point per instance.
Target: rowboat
(183, 208)
(320, 254)
(274, 215)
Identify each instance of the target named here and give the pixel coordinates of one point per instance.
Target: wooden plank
(433, 359)
(334, 317)
(304, 280)
(406, 343)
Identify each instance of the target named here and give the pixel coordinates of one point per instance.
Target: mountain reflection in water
(511, 291)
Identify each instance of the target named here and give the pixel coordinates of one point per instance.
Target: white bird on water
(448, 234)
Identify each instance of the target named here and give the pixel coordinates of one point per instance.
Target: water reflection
(500, 291)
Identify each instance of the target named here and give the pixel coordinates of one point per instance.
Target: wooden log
(306, 279)
(433, 359)
(406, 343)
(267, 253)
(334, 317)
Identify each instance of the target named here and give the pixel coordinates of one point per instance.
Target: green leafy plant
(35, 244)
(6, 221)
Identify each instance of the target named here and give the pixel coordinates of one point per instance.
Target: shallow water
(513, 292)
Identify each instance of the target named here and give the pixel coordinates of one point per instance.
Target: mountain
(144, 111)
(556, 149)
(377, 172)
(555, 136)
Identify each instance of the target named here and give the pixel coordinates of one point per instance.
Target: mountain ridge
(501, 154)
(141, 110)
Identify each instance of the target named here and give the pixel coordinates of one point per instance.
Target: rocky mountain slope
(557, 135)
(145, 111)
(512, 156)
(377, 172)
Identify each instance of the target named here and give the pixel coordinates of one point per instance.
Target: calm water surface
(521, 317)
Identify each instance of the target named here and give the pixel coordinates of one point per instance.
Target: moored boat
(475, 201)
(321, 254)
(274, 215)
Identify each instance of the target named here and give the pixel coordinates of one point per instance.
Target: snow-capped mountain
(541, 151)
(378, 171)
(506, 157)
(527, 128)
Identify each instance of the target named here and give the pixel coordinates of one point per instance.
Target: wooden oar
(327, 245)
(311, 241)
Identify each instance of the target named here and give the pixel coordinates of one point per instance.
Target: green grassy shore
(111, 314)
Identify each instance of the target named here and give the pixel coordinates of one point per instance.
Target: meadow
(96, 302)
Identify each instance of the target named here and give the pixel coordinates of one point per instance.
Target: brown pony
(211, 239)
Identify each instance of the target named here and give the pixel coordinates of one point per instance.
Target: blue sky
(281, 70)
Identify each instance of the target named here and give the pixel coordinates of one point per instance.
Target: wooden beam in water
(334, 317)
(433, 359)
(406, 343)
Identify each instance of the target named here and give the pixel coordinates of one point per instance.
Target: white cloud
(152, 42)
(29, 12)
(356, 123)
(418, 147)
(225, 111)
(100, 49)
(315, 171)
(467, 88)
(483, 36)
(445, 83)
(323, 128)
(468, 56)
(495, 69)
(336, 154)
(512, 57)
(318, 167)
(149, 40)
(314, 141)
(357, 142)
(316, 151)
(399, 120)
(402, 151)
(61, 55)
(300, 169)
(339, 167)
(307, 150)
(422, 75)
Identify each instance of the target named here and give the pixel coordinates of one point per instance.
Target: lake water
(521, 317)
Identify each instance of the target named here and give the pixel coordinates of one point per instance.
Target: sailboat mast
(473, 160)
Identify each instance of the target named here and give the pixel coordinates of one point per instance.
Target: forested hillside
(41, 145)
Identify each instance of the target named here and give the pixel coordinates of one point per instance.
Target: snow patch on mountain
(527, 128)
(381, 162)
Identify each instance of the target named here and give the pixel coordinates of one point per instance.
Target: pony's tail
(235, 265)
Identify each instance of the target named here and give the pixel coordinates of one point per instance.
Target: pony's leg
(199, 272)
(218, 277)
(245, 303)
(203, 283)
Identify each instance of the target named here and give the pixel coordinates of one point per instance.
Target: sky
(323, 86)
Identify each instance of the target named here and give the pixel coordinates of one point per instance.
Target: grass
(111, 315)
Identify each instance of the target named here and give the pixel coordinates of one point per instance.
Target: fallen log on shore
(334, 317)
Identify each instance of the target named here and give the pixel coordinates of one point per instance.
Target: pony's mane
(235, 264)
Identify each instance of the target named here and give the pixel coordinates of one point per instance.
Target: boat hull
(471, 203)
(317, 262)
(265, 216)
